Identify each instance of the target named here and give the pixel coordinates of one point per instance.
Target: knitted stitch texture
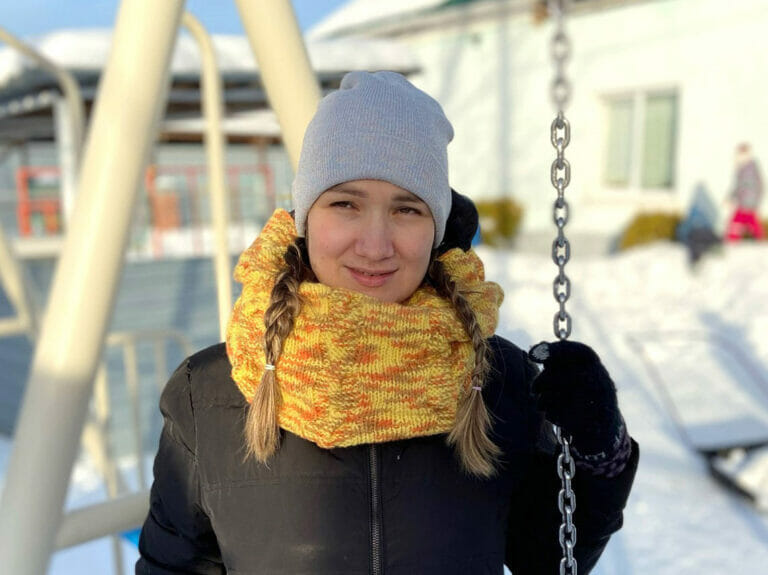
(355, 369)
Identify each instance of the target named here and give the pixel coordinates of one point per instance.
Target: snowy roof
(251, 123)
(357, 13)
(88, 50)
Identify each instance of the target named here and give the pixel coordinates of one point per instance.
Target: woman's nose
(375, 239)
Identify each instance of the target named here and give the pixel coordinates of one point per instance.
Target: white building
(663, 91)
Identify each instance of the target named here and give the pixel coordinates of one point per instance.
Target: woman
(362, 417)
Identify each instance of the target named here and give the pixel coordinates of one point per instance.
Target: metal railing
(24, 321)
(175, 203)
(123, 511)
(173, 197)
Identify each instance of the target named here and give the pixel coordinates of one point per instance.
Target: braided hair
(262, 433)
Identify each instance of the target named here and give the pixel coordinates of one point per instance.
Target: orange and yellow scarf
(354, 369)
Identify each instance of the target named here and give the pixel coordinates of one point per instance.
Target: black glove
(461, 226)
(575, 392)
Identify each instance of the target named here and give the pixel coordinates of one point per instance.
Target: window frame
(634, 187)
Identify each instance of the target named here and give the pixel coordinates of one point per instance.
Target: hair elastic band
(477, 388)
(269, 367)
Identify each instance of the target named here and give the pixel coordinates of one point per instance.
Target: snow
(83, 50)
(665, 333)
(678, 520)
(358, 12)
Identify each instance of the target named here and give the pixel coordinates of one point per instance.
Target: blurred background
(666, 221)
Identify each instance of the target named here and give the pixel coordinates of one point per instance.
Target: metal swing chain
(560, 175)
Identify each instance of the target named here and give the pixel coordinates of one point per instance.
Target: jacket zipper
(376, 563)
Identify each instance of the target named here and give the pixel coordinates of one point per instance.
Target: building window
(641, 134)
(618, 165)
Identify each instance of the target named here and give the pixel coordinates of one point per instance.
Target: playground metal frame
(124, 122)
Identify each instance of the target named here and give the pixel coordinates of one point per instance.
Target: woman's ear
(461, 226)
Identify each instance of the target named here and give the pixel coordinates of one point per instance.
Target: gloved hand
(575, 392)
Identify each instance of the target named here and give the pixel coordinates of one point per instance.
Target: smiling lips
(369, 278)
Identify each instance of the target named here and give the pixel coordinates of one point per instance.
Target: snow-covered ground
(683, 346)
(664, 331)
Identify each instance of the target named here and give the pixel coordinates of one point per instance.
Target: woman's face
(370, 236)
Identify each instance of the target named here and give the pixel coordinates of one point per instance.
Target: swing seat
(718, 400)
(716, 394)
(743, 470)
(745, 431)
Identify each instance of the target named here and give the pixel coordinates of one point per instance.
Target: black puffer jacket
(398, 508)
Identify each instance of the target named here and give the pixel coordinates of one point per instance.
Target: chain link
(560, 176)
(566, 503)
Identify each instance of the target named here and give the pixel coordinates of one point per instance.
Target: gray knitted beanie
(377, 126)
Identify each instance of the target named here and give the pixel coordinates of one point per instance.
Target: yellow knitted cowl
(355, 369)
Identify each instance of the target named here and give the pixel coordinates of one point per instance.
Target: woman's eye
(409, 210)
(341, 204)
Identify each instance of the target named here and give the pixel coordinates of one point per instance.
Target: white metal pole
(284, 66)
(12, 280)
(85, 282)
(98, 430)
(213, 111)
(113, 516)
(131, 371)
(68, 146)
(75, 116)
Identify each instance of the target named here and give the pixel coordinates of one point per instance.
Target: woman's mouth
(369, 278)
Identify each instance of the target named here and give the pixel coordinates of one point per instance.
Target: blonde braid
(477, 453)
(262, 433)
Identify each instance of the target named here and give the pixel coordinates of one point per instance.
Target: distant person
(745, 198)
(363, 417)
(697, 230)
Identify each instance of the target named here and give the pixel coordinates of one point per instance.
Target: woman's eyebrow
(352, 191)
(409, 198)
(349, 191)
